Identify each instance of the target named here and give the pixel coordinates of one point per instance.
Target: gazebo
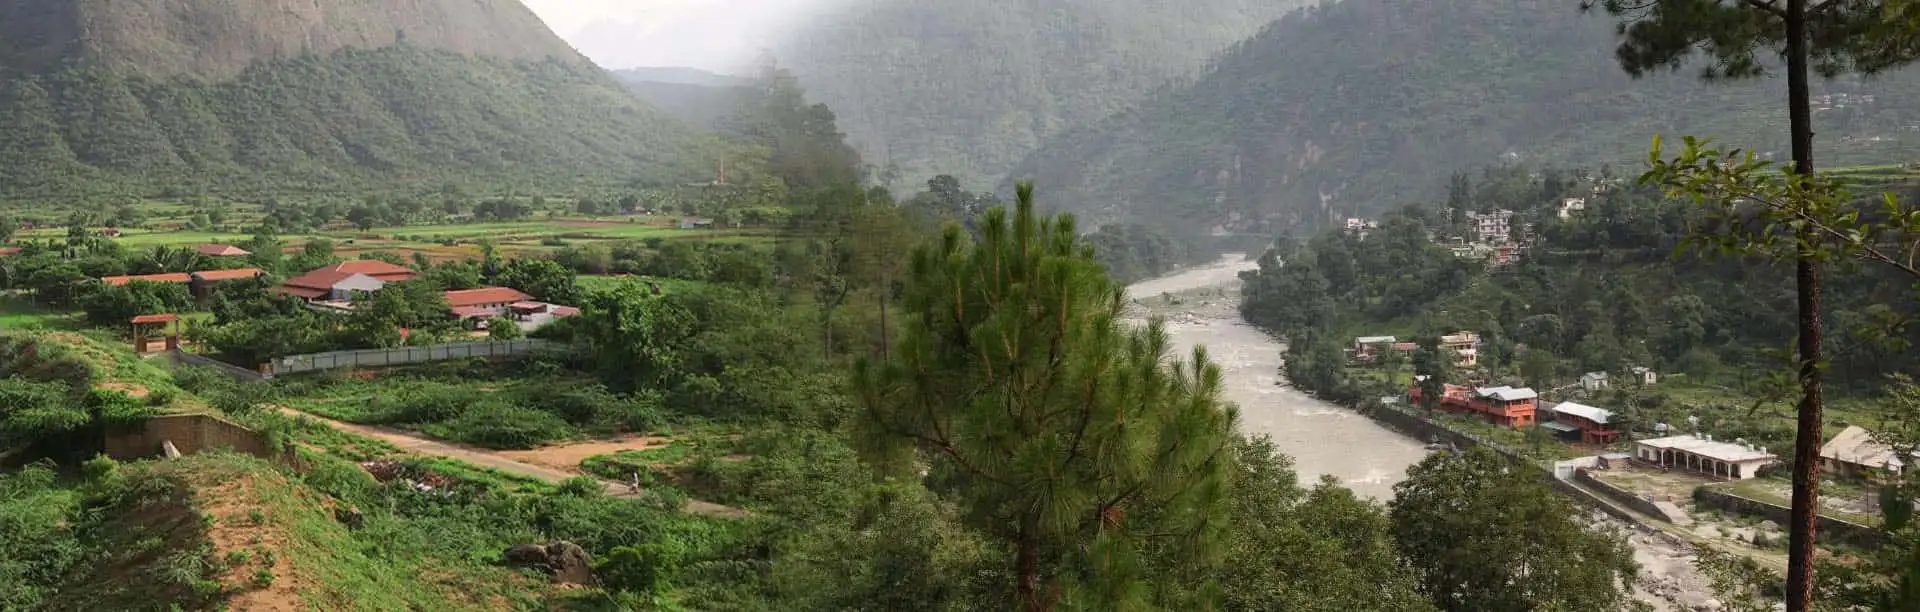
(144, 324)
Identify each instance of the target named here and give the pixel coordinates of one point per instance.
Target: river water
(1201, 307)
(1321, 437)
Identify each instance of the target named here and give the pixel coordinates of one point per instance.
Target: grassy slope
(232, 531)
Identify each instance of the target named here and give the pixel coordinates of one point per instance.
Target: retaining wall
(190, 433)
(238, 373)
(1625, 497)
(375, 358)
(1829, 529)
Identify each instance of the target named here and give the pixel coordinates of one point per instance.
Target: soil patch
(132, 390)
(568, 456)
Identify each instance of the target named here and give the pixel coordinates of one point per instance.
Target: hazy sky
(716, 35)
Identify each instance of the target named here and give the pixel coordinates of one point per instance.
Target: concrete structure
(1465, 346)
(222, 250)
(1503, 406)
(1593, 425)
(1645, 376)
(1855, 454)
(188, 433)
(1494, 227)
(1700, 453)
(1594, 381)
(1568, 206)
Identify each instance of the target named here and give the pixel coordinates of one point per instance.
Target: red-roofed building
(340, 281)
(222, 250)
(171, 277)
(214, 276)
(1503, 406)
(492, 301)
(5, 251)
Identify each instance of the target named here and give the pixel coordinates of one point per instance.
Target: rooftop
(485, 295)
(221, 275)
(1375, 340)
(222, 250)
(1507, 394)
(1597, 415)
(173, 277)
(1856, 445)
(1712, 449)
(374, 268)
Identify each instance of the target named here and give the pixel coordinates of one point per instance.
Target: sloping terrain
(967, 87)
(694, 96)
(274, 96)
(1364, 105)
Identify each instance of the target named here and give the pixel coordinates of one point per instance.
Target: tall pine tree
(1063, 430)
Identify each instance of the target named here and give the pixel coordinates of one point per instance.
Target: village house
(1465, 347)
(5, 251)
(1368, 348)
(1644, 376)
(222, 250)
(1855, 454)
(1568, 206)
(1592, 425)
(337, 283)
(485, 302)
(1593, 381)
(1493, 227)
(1503, 406)
(200, 283)
(1699, 453)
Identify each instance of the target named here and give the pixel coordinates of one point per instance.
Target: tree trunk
(1807, 438)
(1026, 566)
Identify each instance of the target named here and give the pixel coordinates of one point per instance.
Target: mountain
(1362, 105)
(968, 87)
(690, 94)
(102, 97)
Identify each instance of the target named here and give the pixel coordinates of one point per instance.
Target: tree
(1484, 536)
(1058, 427)
(8, 226)
(1841, 36)
(544, 279)
(502, 328)
(1432, 362)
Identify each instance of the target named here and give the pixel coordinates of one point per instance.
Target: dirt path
(500, 460)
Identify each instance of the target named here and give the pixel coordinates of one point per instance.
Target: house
(696, 224)
(1367, 348)
(1699, 453)
(1493, 227)
(1503, 406)
(1568, 206)
(1593, 425)
(180, 278)
(338, 282)
(1855, 454)
(204, 282)
(1645, 376)
(1506, 406)
(1464, 346)
(485, 302)
(222, 250)
(1593, 381)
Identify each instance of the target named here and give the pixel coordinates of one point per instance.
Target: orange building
(1503, 406)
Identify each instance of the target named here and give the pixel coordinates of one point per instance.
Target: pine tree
(1061, 429)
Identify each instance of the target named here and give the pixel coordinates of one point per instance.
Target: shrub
(499, 425)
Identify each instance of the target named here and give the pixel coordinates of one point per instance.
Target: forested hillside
(695, 96)
(1360, 106)
(967, 87)
(168, 99)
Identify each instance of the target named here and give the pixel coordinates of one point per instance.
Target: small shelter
(144, 325)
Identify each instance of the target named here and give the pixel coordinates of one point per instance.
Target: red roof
(154, 318)
(299, 291)
(174, 277)
(9, 250)
(222, 250)
(485, 295)
(224, 275)
(564, 311)
(374, 268)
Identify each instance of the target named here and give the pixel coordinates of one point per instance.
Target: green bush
(496, 424)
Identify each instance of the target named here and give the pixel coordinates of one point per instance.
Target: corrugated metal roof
(1597, 415)
(1711, 449)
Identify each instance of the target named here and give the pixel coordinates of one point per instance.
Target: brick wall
(190, 433)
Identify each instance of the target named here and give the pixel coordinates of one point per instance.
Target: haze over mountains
(100, 97)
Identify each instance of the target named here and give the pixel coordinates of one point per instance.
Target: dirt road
(422, 445)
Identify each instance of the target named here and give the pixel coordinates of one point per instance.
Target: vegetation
(1277, 134)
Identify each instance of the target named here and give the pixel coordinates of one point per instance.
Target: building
(178, 278)
(687, 224)
(1855, 454)
(1503, 406)
(200, 283)
(1568, 206)
(338, 282)
(1645, 376)
(222, 250)
(5, 251)
(485, 302)
(1465, 346)
(1367, 348)
(1593, 425)
(1593, 381)
(1700, 453)
(1493, 227)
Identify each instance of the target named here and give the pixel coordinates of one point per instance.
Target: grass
(609, 283)
(18, 313)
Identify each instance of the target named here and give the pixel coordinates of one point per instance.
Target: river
(1201, 308)
(1322, 438)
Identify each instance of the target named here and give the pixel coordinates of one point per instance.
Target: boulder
(526, 554)
(570, 563)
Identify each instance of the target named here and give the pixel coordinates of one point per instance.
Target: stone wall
(1827, 529)
(1625, 497)
(190, 433)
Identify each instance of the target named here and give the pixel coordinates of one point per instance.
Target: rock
(570, 563)
(1769, 526)
(350, 516)
(526, 554)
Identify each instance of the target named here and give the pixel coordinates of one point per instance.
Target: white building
(1568, 206)
(1646, 376)
(1700, 453)
(1593, 381)
(1493, 227)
